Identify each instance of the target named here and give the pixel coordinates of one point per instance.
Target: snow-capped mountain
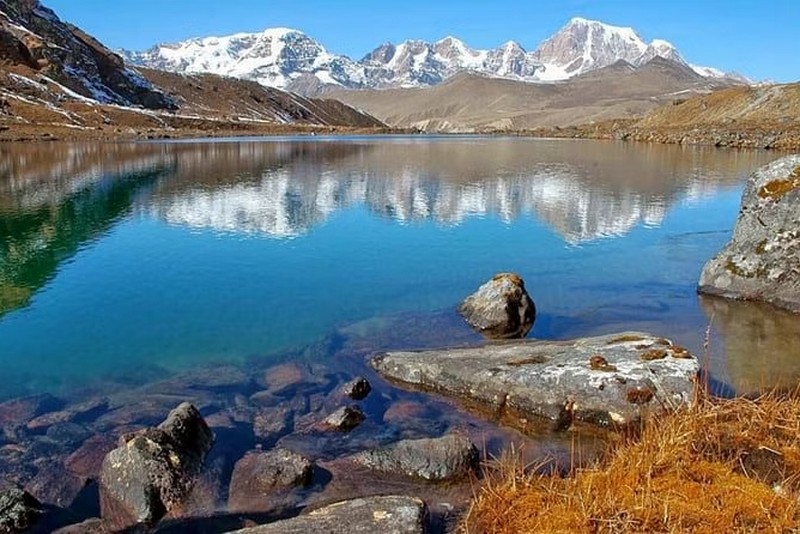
(422, 64)
(274, 57)
(285, 58)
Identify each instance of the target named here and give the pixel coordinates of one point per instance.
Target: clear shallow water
(122, 262)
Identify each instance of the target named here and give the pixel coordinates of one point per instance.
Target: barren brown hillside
(32, 107)
(752, 106)
(234, 99)
(747, 117)
(469, 102)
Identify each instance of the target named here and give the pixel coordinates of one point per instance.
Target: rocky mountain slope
(243, 101)
(57, 81)
(286, 58)
(469, 102)
(35, 41)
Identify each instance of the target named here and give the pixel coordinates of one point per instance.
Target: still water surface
(125, 262)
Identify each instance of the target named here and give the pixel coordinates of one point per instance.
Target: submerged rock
(76, 413)
(19, 510)
(448, 457)
(392, 514)
(261, 477)
(20, 410)
(357, 389)
(345, 418)
(55, 484)
(762, 260)
(557, 380)
(270, 425)
(500, 308)
(153, 471)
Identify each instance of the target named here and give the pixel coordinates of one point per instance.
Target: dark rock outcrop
(762, 260)
(500, 308)
(19, 510)
(261, 479)
(392, 514)
(445, 458)
(33, 35)
(606, 380)
(153, 471)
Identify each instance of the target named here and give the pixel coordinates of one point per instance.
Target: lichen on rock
(762, 260)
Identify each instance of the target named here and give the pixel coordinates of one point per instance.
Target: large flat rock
(391, 514)
(762, 260)
(607, 380)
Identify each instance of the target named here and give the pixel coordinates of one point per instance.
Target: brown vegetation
(719, 466)
(739, 117)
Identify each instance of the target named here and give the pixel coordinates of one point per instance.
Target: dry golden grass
(719, 466)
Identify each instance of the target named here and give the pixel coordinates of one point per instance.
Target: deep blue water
(132, 260)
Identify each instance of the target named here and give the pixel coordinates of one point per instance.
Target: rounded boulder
(501, 308)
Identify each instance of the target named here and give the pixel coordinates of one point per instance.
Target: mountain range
(57, 81)
(468, 102)
(289, 59)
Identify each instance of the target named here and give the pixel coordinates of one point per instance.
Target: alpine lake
(134, 276)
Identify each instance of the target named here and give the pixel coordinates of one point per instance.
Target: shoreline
(787, 139)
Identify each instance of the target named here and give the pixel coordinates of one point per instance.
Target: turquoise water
(126, 261)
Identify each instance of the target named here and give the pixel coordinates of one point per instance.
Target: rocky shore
(784, 137)
(323, 444)
(177, 128)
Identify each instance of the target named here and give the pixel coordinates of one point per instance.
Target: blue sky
(757, 38)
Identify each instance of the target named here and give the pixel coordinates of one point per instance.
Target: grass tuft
(718, 466)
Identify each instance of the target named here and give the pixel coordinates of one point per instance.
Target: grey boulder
(445, 458)
(762, 260)
(392, 514)
(500, 309)
(608, 380)
(153, 471)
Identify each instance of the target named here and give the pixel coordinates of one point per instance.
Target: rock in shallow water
(259, 477)
(392, 514)
(154, 470)
(357, 389)
(500, 308)
(444, 458)
(557, 380)
(762, 260)
(345, 418)
(19, 510)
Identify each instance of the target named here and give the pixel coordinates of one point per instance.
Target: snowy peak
(663, 49)
(583, 45)
(274, 57)
(288, 58)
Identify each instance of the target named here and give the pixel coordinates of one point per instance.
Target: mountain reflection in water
(138, 257)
